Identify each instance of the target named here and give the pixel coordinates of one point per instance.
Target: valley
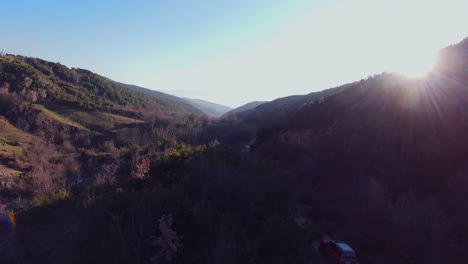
(96, 171)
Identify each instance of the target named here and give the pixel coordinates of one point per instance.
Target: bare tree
(168, 242)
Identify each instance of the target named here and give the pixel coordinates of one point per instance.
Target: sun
(417, 66)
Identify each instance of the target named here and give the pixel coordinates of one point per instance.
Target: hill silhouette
(381, 159)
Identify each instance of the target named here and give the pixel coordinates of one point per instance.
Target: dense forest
(96, 173)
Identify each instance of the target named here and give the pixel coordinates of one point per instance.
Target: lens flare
(9, 221)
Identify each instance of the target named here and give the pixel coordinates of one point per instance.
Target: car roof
(343, 246)
(340, 244)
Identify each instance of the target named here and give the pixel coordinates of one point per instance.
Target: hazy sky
(233, 52)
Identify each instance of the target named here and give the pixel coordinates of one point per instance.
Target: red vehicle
(337, 252)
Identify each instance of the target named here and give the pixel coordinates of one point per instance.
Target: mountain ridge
(208, 108)
(48, 81)
(243, 108)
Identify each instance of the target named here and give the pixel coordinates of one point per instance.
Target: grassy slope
(56, 116)
(100, 121)
(10, 137)
(88, 120)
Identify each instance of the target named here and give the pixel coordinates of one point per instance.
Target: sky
(234, 52)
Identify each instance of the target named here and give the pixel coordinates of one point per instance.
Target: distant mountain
(208, 108)
(243, 108)
(242, 124)
(266, 113)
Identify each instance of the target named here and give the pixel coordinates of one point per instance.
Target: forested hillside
(383, 161)
(61, 126)
(38, 80)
